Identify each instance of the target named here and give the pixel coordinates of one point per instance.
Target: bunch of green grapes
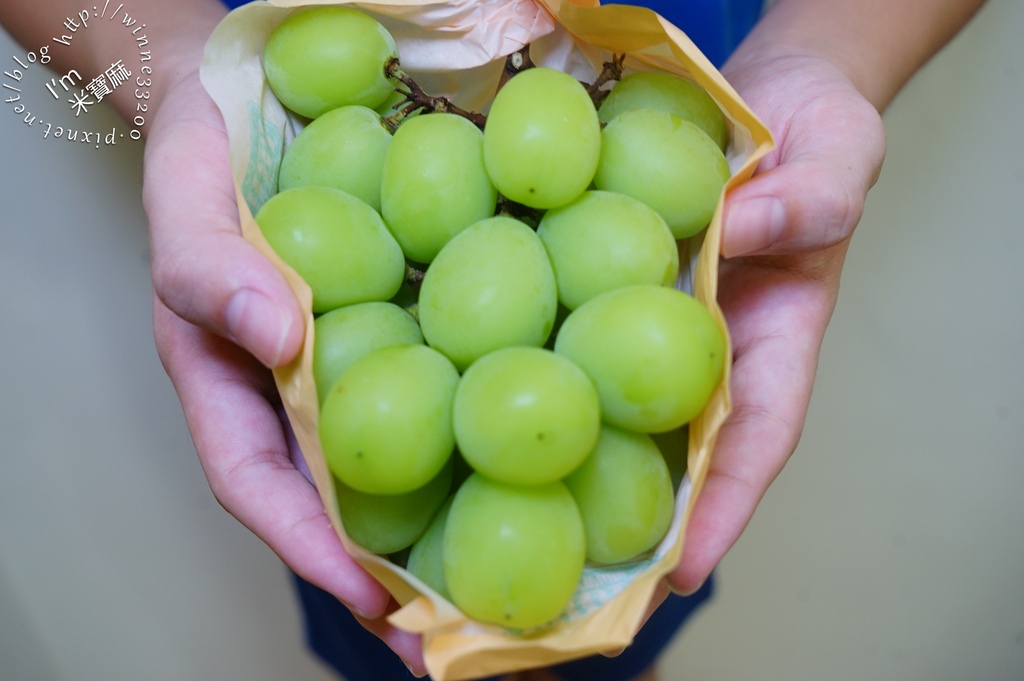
(497, 333)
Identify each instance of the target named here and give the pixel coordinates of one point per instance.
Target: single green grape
(513, 554)
(345, 334)
(386, 425)
(674, 446)
(542, 140)
(490, 287)
(667, 92)
(668, 163)
(338, 244)
(426, 560)
(603, 241)
(625, 496)
(655, 354)
(320, 58)
(344, 148)
(525, 416)
(433, 183)
(386, 523)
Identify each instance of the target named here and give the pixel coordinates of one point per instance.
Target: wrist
(877, 44)
(178, 41)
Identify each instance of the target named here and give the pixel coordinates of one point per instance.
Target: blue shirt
(716, 26)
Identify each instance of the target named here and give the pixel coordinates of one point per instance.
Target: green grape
(654, 353)
(525, 416)
(603, 241)
(489, 288)
(334, 241)
(666, 162)
(671, 93)
(513, 554)
(344, 149)
(345, 334)
(426, 560)
(320, 58)
(561, 314)
(542, 140)
(387, 523)
(385, 426)
(624, 493)
(674, 446)
(434, 184)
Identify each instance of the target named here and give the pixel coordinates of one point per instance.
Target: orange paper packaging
(457, 48)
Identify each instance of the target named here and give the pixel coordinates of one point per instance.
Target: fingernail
(683, 592)
(752, 225)
(418, 675)
(359, 612)
(258, 324)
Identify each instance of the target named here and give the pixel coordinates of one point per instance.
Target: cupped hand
(785, 237)
(222, 315)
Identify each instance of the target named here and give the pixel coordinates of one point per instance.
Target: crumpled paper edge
(455, 647)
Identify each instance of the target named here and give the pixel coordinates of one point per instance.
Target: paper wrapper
(457, 49)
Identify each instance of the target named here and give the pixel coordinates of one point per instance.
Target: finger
(777, 321)
(203, 270)
(406, 645)
(811, 193)
(243, 451)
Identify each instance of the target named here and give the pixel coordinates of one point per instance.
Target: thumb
(809, 193)
(203, 269)
(797, 206)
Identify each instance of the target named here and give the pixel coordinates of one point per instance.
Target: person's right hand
(222, 315)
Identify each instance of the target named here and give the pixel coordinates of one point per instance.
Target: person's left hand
(785, 237)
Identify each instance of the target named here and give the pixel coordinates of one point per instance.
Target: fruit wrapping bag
(457, 48)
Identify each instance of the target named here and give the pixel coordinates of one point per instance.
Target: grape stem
(514, 63)
(521, 212)
(416, 98)
(610, 70)
(413, 276)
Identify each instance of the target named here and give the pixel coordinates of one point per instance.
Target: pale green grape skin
(603, 241)
(542, 140)
(345, 334)
(385, 426)
(513, 554)
(387, 523)
(426, 560)
(336, 243)
(624, 493)
(320, 58)
(490, 287)
(655, 354)
(525, 416)
(674, 446)
(667, 92)
(666, 162)
(344, 148)
(434, 184)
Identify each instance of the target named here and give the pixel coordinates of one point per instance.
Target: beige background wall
(892, 547)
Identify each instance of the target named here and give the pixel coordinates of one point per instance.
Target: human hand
(785, 236)
(222, 315)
